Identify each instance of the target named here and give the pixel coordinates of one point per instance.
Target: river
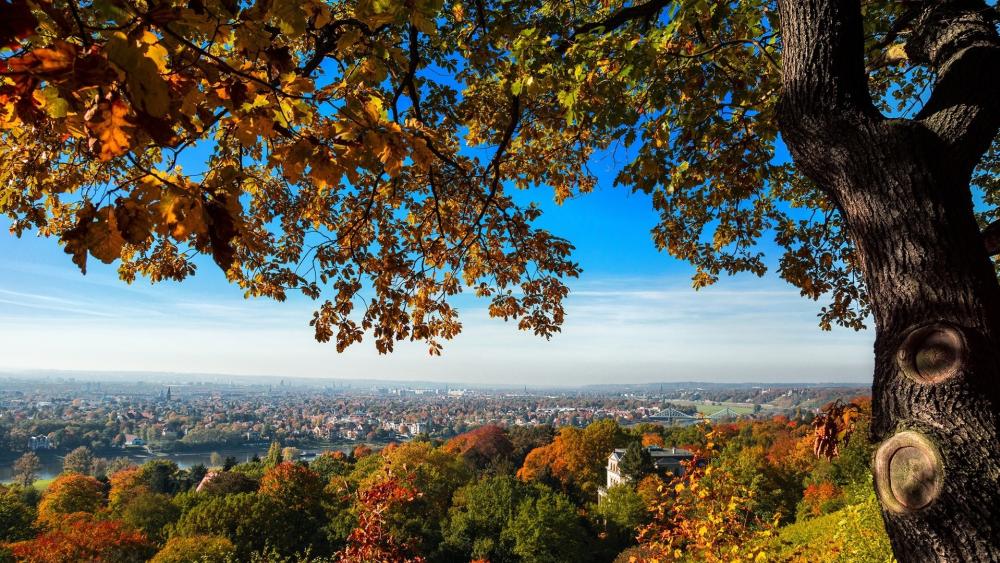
(51, 465)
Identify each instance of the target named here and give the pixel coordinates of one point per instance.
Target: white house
(39, 443)
(665, 460)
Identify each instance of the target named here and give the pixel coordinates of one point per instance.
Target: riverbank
(52, 461)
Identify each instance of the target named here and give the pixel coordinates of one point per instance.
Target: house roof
(664, 455)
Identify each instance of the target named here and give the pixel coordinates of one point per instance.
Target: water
(51, 465)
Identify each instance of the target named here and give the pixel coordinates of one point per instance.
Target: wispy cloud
(617, 329)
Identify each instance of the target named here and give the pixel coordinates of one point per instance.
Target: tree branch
(957, 39)
(824, 86)
(646, 12)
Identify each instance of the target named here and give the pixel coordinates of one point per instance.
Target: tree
(196, 549)
(162, 476)
(68, 494)
(622, 511)
(196, 473)
(338, 144)
(16, 516)
(82, 538)
(636, 463)
(436, 474)
(274, 456)
(215, 459)
(298, 487)
(481, 447)
(80, 460)
(547, 528)
(26, 469)
(330, 465)
(371, 540)
(576, 458)
(250, 521)
(480, 514)
(150, 513)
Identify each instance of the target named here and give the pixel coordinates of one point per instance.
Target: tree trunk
(903, 188)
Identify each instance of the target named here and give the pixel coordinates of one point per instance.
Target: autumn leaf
(146, 87)
(182, 215)
(222, 228)
(104, 240)
(133, 221)
(107, 122)
(45, 61)
(74, 239)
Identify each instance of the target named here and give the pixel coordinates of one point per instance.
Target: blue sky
(632, 317)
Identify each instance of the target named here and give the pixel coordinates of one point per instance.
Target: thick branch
(958, 40)
(824, 93)
(646, 12)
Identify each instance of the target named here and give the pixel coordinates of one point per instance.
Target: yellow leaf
(107, 123)
(145, 85)
(182, 214)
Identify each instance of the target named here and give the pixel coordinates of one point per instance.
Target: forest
(756, 490)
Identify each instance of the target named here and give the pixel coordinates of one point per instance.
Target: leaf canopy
(366, 152)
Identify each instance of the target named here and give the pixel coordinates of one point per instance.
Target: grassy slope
(852, 534)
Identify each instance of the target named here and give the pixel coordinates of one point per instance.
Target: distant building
(133, 440)
(665, 460)
(39, 443)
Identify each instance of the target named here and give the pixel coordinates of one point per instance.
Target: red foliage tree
(81, 538)
(371, 540)
(817, 497)
(481, 446)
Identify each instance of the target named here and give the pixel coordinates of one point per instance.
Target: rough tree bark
(902, 186)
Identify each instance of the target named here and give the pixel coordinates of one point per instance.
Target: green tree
(479, 516)
(230, 482)
(620, 513)
(16, 516)
(329, 465)
(273, 456)
(547, 529)
(252, 522)
(636, 463)
(80, 460)
(162, 476)
(196, 549)
(215, 459)
(196, 473)
(150, 513)
(26, 469)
